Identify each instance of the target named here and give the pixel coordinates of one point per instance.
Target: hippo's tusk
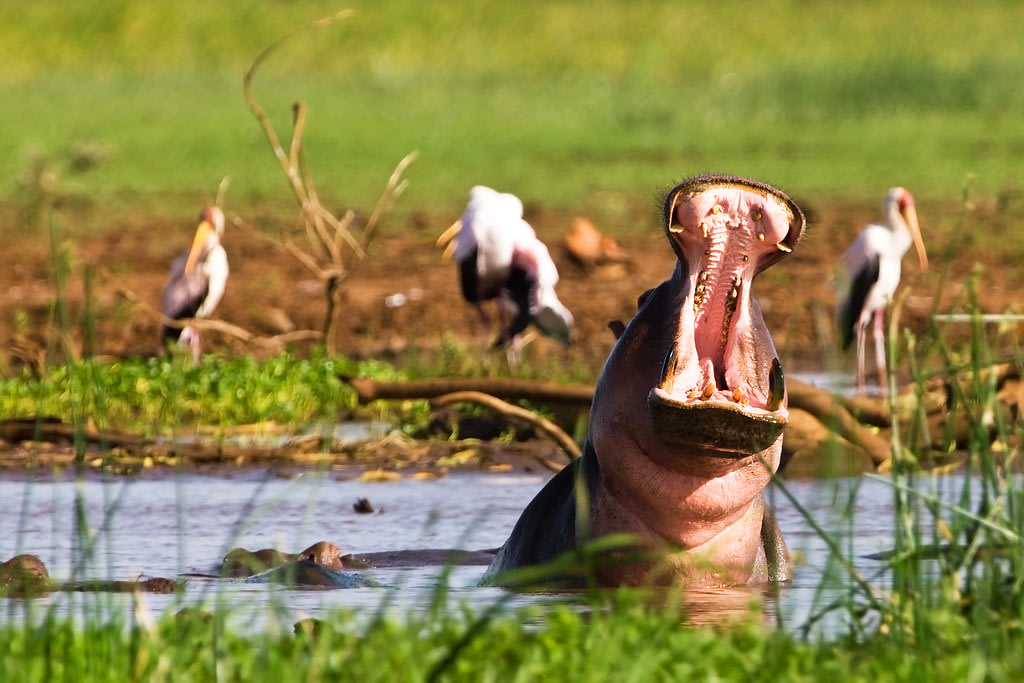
(783, 247)
(776, 386)
(668, 369)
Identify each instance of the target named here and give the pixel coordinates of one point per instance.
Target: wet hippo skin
(687, 418)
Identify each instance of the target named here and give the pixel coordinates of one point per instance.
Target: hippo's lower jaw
(728, 427)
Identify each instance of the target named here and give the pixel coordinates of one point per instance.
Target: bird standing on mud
(197, 281)
(873, 265)
(500, 258)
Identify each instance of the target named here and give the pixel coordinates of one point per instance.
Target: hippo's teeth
(739, 396)
(709, 389)
(783, 247)
(698, 290)
(730, 307)
(776, 386)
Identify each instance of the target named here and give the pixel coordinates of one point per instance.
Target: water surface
(173, 524)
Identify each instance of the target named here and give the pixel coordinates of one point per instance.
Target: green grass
(615, 639)
(567, 104)
(154, 395)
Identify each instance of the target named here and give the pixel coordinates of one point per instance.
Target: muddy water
(170, 525)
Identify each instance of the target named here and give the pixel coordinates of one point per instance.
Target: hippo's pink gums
(687, 420)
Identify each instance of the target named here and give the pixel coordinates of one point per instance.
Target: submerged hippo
(687, 418)
(26, 576)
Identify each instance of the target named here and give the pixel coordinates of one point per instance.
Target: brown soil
(124, 267)
(270, 293)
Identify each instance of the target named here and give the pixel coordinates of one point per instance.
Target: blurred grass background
(568, 104)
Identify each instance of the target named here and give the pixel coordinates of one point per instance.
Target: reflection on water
(168, 525)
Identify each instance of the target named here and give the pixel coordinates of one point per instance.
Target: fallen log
(833, 414)
(54, 430)
(368, 389)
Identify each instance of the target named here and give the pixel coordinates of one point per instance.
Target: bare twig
(330, 257)
(542, 425)
(221, 326)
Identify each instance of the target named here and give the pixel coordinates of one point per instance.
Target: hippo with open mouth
(687, 419)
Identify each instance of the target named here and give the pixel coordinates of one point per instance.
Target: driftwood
(856, 427)
(52, 430)
(368, 389)
(828, 410)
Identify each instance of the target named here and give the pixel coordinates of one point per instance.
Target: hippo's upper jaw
(722, 386)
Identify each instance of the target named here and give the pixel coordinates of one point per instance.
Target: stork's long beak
(447, 239)
(198, 245)
(910, 216)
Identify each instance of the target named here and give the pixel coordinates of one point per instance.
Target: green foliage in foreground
(626, 641)
(158, 394)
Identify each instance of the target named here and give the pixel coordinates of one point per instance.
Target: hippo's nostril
(776, 386)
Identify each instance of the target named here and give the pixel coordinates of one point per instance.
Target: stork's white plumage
(500, 258)
(873, 265)
(197, 280)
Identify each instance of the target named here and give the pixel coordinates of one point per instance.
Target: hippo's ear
(642, 299)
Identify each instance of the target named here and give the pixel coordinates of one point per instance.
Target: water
(169, 525)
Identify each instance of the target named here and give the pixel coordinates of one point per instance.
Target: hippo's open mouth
(722, 386)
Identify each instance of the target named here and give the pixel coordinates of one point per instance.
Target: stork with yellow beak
(197, 281)
(873, 265)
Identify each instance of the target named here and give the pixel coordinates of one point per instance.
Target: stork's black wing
(853, 305)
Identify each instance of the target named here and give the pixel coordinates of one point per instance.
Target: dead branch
(329, 257)
(201, 324)
(542, 425)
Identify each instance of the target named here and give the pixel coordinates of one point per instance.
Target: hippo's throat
(722, 387)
